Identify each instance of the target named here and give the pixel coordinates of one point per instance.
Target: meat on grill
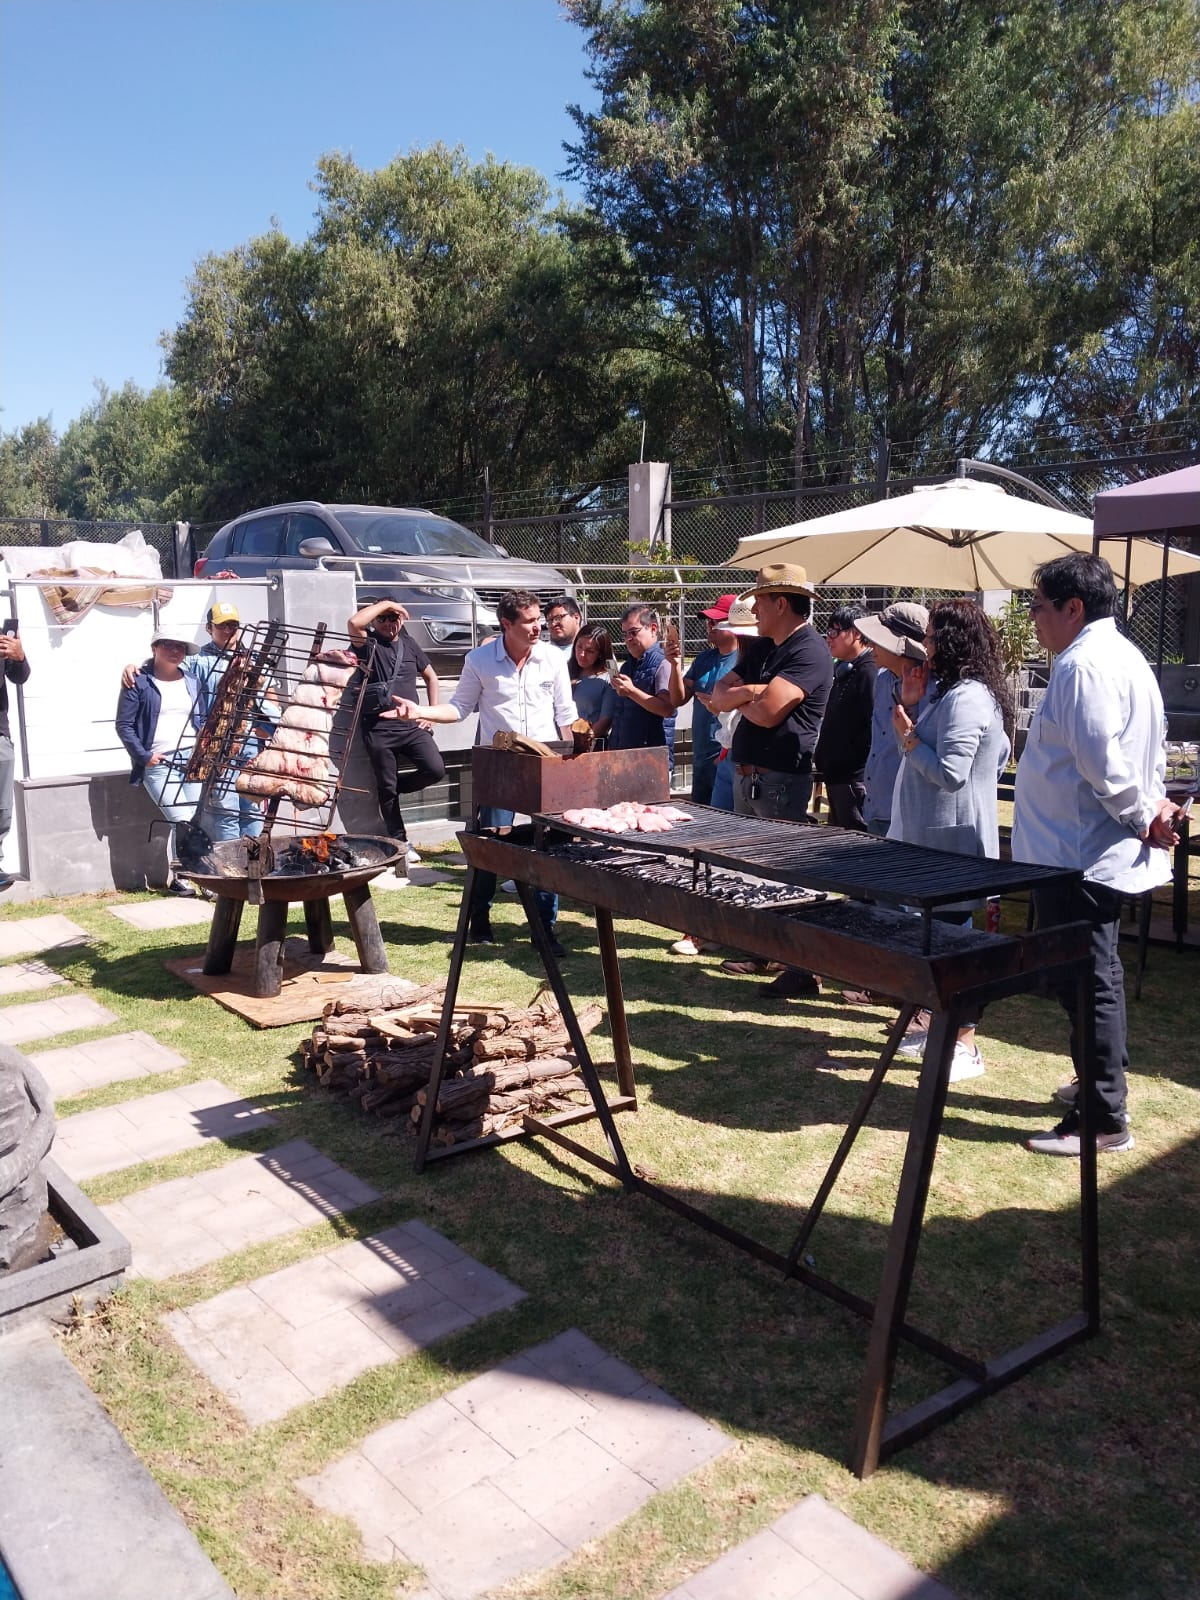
(302, 774)
(627, 816)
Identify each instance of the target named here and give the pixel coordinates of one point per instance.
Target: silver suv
(449, 579)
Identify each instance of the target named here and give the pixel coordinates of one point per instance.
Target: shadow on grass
(1068, 1449)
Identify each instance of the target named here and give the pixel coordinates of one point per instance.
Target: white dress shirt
(1092, 773)
(534, 698)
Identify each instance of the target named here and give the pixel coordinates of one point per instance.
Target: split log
(536, 1038)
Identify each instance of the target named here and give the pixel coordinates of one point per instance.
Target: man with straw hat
(781, 696)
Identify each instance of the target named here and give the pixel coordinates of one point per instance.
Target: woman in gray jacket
(953, 754)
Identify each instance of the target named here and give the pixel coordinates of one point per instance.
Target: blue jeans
(230, 815)
(485, 882)
(722, 789)
(176, 800)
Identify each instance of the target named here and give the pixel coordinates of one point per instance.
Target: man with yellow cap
(781, 695)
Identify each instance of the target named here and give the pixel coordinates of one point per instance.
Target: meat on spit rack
(283, 708)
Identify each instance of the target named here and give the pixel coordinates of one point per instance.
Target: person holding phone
(16, 670)
(644, 716)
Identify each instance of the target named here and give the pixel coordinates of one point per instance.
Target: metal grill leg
(453, 979)
(903, 1239)
(587, 1066)
(861, 1111)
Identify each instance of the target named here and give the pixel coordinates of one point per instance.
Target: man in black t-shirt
(781, 697)
(403, 754)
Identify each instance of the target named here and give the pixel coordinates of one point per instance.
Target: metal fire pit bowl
(223, 870)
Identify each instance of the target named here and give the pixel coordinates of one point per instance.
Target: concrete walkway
(80, 1517)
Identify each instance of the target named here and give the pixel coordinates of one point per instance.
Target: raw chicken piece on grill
(651, 822)
(672, 813)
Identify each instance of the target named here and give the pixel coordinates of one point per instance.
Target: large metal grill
(832, 860)
(701, 877)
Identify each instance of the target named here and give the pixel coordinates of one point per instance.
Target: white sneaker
(687, 946)
(913, 1044)
(508, 887)
(411, 856)
(967, 1063)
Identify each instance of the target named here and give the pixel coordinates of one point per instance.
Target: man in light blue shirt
(1090, 795)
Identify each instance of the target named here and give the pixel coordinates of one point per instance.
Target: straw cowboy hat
(782, 577)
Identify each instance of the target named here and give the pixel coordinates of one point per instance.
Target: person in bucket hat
(781, 696)
(896, 635)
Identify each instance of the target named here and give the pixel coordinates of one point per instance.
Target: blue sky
(138, 135)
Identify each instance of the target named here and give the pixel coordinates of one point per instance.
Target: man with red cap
(705, 672)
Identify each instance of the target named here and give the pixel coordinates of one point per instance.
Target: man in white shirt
(1090, 795)
(518, 684)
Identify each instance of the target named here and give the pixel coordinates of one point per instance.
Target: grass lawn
(1078, 1481)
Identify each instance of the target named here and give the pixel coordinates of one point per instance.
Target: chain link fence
(706, 528)
(57, 531)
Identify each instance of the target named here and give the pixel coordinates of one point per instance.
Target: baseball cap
(168, 636)
(222, 611)
(899, 628)
(719, 610)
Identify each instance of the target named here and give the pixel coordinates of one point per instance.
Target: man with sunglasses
(645, 716)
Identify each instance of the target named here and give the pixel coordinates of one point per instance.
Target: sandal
(753, 969)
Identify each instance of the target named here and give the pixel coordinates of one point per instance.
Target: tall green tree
(29, 470)
(867, 213)
(441, 317)
(122, 458)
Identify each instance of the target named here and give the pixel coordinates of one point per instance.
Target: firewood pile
(501, 1061)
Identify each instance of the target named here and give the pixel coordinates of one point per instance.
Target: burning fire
(318, 846)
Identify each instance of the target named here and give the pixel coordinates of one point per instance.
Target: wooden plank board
(309, 983)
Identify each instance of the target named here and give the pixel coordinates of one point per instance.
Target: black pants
(1101, 908)
(846, 801)
(404, 760)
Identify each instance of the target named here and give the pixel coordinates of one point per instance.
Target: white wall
(70, 699)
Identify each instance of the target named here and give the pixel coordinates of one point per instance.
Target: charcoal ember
(715, 883)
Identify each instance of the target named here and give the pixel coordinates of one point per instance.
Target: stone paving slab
(185, 1223)
(299, 1333)
(516, 1469)
(171, 912)
(813, 1552)
(80, 1067)
(26, 977)
(42, 1019)
(153, 1126)
(80, 1516)
(25, 935)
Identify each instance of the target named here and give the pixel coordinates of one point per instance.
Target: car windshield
(403, 533)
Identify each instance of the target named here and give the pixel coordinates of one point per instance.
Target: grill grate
(832, 860)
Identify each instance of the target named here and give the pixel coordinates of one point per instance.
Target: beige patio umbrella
(962, 535)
